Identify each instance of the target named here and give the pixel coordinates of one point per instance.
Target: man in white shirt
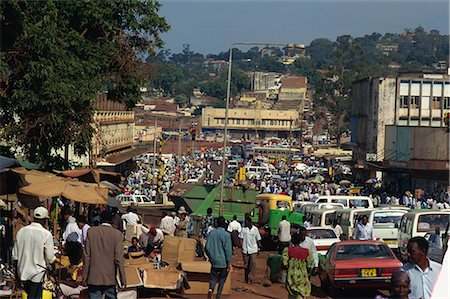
(251, 242)
(235, 228)
(423, 272)
(337, 228)
(83, 226)
(131, 217)
(308, 243)
(33, 250)
(72, 228)
(364, 230)
(168, 224)
(284, 234)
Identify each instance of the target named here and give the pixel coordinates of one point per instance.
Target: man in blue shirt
(218, 248)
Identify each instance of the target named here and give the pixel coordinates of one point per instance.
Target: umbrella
(114, 203)
(91, 175)
(345, 182)
(334, 186)
(314, 181)
(319, 178)
(109, 185)
(70, 189)
(300, 180)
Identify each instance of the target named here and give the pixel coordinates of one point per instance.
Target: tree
(56, 55)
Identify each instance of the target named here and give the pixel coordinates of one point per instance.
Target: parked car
(138, 200)
(322, 237)
(358, 264)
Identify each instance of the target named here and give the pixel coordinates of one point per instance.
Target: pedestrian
(117, 222)
(219, 250)
(337, 229)
(33, 250)
(71, 227)
(400, 286)
(167, 224)
(308, 243)
(131, 218)
(83, 226)
(235, 228)
(284, 234)
(297, 260)
(207, 222)
(134, 245)
(364, 230)
(306, 221)
(103, 256)
(251, 242)
(422, 271)
(182, 224)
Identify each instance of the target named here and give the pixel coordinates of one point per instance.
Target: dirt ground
(241, 290)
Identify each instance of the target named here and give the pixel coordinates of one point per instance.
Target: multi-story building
(252, 123)
(397, 129)
(264, 81)
(293, 88)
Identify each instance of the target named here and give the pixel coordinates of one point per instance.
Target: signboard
(371, 157)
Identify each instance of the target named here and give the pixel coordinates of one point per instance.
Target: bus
(276, 151)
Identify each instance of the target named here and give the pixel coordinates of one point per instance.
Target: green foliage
(57, 55)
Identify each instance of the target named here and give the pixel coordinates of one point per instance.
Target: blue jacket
(218, 248)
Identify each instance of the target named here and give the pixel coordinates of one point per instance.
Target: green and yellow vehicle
(272, 207)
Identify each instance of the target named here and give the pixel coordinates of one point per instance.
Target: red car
(358, 264)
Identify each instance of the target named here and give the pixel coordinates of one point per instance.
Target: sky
(211, 26)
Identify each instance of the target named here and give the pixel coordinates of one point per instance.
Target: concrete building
(293, 88)
(252, 123)
(264, 81)
(397, 129)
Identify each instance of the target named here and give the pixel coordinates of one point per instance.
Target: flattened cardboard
(198, 273)
(162, 279)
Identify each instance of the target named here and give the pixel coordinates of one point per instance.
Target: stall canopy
(44, 184)
(91, 175)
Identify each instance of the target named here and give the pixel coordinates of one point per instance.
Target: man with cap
(33, 251)
(182, 223)
(103, 256)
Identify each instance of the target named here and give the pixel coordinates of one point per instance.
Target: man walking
(423, 272)
(364, 230)
(218, 249)
(32, 251)
(307, 243)
(284, 234)
(103, 256)
(251, 242)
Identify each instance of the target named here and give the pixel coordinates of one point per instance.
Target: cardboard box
(168, 279)
(198, 273)
(176, 249)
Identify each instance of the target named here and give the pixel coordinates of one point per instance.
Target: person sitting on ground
(134, 245)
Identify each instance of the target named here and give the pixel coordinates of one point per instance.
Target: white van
(385, 222)
(347, 220)
(138, 200)
(323, 218)
(255, 172)
(417, 224)
(348, 201)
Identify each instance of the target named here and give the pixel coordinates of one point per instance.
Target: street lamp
(227, 107)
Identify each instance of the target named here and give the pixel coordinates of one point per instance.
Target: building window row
(252, 122)
(414, 102)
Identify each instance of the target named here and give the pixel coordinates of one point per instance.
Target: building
(398, 130)
(252, 123)
(264, 81)
(293, 88)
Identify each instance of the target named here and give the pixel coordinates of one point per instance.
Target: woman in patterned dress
(297, 261)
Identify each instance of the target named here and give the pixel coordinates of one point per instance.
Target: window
(414, 104)
(403, 101)
(431, 222)
(436, 103)
(387, 219)
(283, 205)
(238, 121)
(446, 102)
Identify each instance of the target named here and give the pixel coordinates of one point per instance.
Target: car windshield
(359, 251)
(431, 222)
(387, 219)
(317, 234)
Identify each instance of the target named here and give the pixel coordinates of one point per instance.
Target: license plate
(368, 272)
(390, 241)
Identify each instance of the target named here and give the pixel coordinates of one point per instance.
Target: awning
(124, 156)
(91, 175)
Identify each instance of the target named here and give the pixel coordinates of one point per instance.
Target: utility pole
(179, 138)
(154, 143)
